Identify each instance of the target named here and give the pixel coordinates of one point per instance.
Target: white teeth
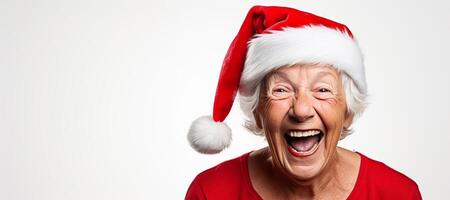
(303, 133)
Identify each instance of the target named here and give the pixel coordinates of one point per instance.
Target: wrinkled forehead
(302, 71)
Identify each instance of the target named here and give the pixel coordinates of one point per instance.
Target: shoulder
(220, 180)
(386, 181)
(226, 171)
(381, 173)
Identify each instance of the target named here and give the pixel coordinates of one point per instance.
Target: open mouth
(303, 143)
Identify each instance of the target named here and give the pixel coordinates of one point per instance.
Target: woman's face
(303, 115)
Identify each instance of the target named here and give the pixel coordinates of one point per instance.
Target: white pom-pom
(209, 137)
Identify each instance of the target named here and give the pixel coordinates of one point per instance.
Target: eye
(324, 90)
(280, 92)
(324, 93)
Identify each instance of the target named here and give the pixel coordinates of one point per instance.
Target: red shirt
(231, 180)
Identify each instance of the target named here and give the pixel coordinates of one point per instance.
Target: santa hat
(271, 37)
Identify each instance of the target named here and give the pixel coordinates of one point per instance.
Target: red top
(231, 180)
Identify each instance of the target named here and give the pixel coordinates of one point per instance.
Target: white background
(96, 97)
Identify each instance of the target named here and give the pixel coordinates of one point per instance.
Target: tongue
(304, 144)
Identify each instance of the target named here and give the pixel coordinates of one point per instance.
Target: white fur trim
(309, 44)
(209, 137)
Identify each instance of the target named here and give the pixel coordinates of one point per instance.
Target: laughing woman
(301, 81)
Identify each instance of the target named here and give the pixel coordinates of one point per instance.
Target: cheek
(275, 112)
(332, 113)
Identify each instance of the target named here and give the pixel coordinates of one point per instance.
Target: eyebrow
(283, 76)
(324, 74)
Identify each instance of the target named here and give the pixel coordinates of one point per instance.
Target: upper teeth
(303, 133)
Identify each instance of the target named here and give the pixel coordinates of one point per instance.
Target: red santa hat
(271, 37)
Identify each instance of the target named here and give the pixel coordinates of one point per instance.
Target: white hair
(356, 100)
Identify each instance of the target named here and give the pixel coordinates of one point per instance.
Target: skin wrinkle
(356, 104)
(331, 108)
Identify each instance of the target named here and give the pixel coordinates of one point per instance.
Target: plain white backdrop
(96, 97)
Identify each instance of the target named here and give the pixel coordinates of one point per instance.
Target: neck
(323, 184)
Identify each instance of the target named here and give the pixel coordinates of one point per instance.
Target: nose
(301, 109)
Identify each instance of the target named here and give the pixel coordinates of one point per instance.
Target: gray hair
(356, 99)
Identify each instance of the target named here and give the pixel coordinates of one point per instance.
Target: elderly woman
(301, 82)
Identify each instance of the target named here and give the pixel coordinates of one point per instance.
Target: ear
(348, 119)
